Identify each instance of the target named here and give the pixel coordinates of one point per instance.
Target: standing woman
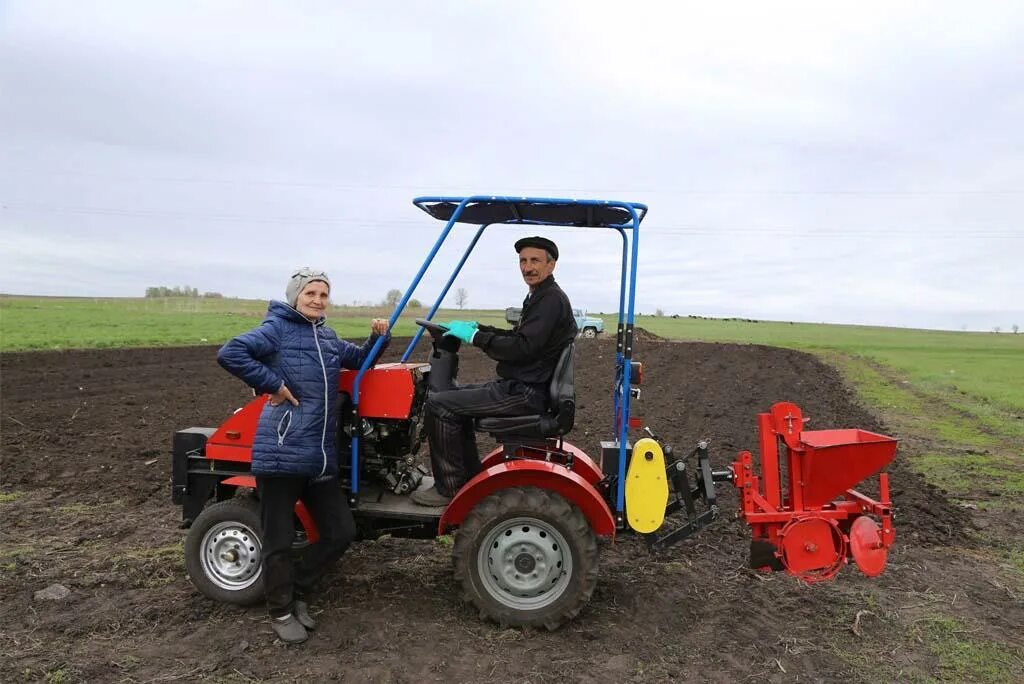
(295, 358)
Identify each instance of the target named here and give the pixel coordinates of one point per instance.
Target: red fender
(530, 473)
(303, 514)
(241, 481)
(492, 458)
(582, 464)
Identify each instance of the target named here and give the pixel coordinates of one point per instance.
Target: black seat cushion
(556, 421)
(524, 426)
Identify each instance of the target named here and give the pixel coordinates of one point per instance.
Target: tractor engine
(387, 451)
(387, 423)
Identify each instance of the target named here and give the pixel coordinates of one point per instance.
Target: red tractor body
(387, 393)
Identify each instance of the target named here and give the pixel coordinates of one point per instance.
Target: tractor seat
(554, 422)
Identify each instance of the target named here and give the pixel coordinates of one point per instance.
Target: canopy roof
(481, 210)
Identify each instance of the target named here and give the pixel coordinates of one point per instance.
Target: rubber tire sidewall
(550, 508)
(243, 510)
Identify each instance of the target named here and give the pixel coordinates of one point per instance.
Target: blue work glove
(464, 330)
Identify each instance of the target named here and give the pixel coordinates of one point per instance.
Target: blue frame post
(444, 292)
(620, 498)
(380, 342)
(620, 330)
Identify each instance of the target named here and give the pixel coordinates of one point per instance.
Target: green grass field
(979, 364)
(982, 368)
(38, 323)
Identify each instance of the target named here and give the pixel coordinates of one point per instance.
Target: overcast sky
(851, 163)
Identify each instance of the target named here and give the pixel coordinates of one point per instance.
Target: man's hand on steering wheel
(463, 330)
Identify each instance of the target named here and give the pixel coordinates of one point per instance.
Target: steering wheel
(435, 329)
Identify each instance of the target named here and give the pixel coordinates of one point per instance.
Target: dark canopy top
(531, 210)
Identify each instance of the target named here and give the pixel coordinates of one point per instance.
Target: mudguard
(582, 464)
(529, 473)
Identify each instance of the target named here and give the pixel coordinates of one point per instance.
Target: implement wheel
(223, 552)
(526, 557)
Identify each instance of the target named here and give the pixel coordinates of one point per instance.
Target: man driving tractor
(526, 356)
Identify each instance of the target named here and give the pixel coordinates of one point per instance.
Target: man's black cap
(540, 243)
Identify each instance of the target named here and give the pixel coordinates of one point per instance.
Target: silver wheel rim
(231, 556)
(525, 563)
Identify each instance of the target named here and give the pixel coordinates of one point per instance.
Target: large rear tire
(526, 557)
(223, 552)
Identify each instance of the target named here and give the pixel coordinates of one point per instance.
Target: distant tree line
(392, 298)
(186, 291)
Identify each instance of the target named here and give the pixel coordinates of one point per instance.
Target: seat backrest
(553, 423)
(562, 393)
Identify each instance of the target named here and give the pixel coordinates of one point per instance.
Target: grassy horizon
(986, 366)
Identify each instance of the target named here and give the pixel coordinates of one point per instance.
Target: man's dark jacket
(529, 352)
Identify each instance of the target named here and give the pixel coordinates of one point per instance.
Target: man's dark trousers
(449, 422)
(287, 576)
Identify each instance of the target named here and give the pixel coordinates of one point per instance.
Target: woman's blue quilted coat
(288, 349)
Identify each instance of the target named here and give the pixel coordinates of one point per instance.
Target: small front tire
(224, 552)
(589, 333)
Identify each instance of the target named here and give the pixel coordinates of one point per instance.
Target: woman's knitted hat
(299, 280)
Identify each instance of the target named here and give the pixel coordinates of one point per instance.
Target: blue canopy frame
(487, 210)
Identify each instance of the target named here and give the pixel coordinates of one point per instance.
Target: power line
(590, 191)
(679, 229)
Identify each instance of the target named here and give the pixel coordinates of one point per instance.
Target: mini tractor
(526, 526)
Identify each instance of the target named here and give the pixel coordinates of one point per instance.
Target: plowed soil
(86, 503)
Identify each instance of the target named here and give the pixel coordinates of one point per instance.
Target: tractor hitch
(688, 494)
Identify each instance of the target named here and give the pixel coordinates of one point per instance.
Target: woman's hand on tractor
(282, 395)
(464, 330)
(379, 326)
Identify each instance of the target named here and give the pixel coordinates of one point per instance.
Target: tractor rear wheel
(526, 557)
(223, 552)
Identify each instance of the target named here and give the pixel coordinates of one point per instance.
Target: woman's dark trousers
(289, 574)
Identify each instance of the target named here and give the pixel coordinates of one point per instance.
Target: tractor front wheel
(526, 557)
(223, 552)
(590, 332)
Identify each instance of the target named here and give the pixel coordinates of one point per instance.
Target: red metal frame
(386, 392)
(530, 473)
(233, 439)
(818, 466)
(241, 481)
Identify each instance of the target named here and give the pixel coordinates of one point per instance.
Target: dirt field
(86, 503)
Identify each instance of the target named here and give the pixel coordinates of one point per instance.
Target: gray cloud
(802, 162)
